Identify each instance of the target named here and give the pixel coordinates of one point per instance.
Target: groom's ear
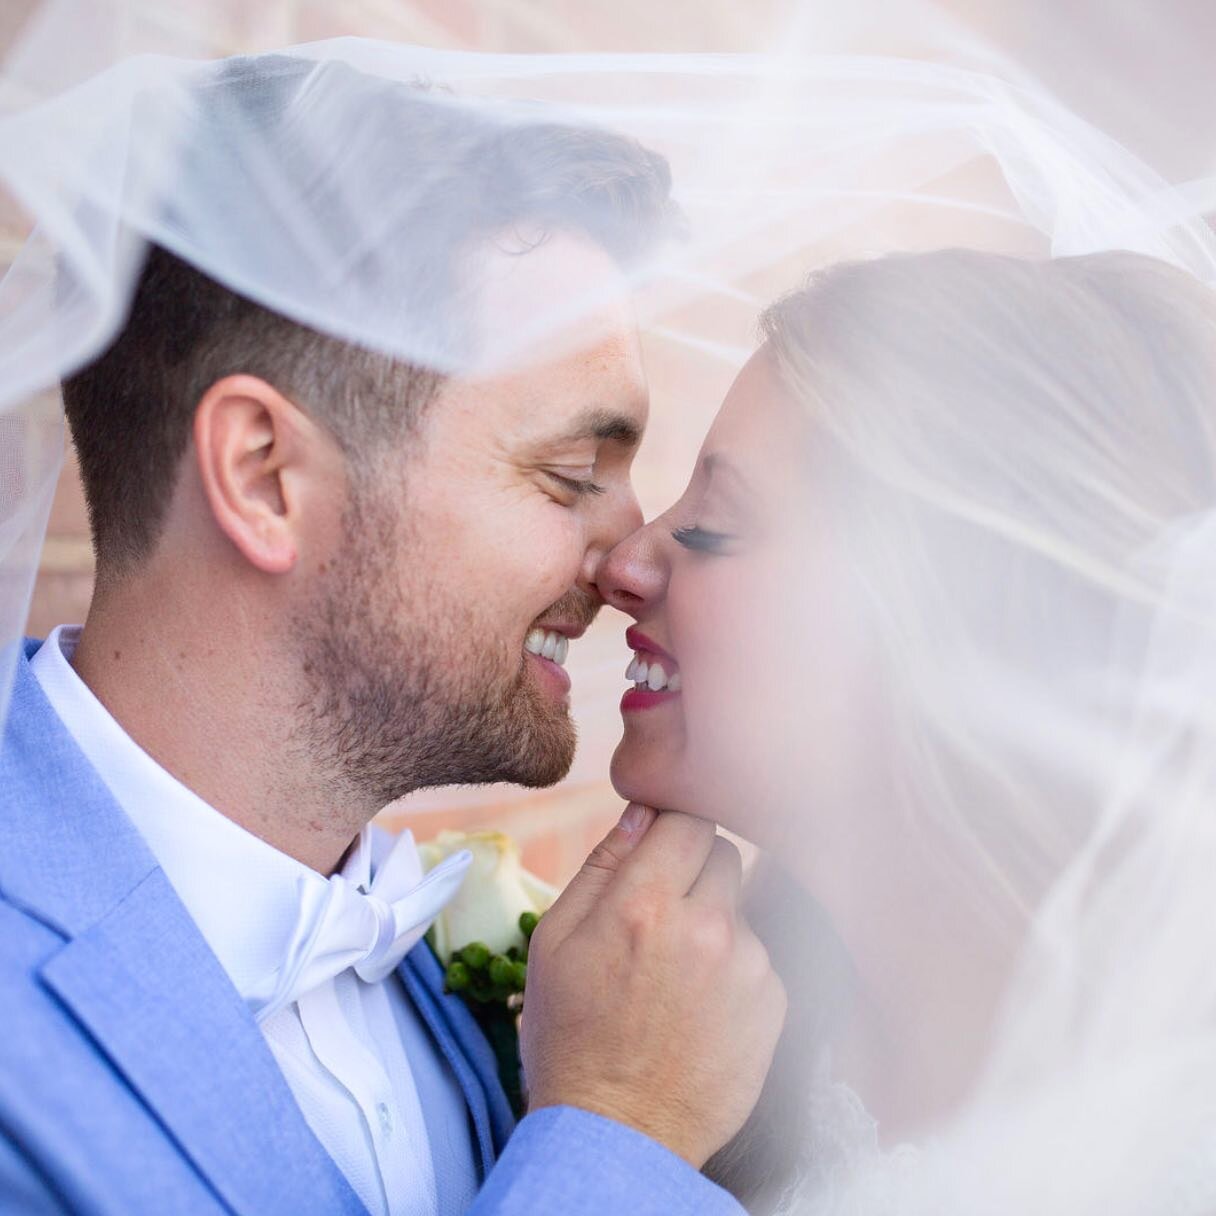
(262, 462)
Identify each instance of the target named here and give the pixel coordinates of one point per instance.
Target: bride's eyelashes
(701, 540)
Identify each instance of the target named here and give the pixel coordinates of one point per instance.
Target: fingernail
(634, 818)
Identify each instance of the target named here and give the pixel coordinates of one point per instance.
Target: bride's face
(741, 600)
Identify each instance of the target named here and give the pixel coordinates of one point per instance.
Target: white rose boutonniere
(481, 938)
(496, 894)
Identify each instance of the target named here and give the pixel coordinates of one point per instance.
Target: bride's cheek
(743, 721)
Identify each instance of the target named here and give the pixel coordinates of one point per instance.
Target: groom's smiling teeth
(548, 645)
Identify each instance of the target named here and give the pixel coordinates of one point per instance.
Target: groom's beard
(403, 696)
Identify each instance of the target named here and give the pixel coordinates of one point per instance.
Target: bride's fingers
(721, 877)
(669, 857)
(599, 871)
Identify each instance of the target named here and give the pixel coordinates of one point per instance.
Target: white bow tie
(341, 926)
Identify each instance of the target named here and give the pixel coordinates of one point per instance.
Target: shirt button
(386, 1118)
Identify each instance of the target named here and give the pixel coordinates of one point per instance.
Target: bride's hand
(650, 1000)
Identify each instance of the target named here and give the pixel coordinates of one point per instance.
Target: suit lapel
(150, 993)
(141, 981)
(466, 1049)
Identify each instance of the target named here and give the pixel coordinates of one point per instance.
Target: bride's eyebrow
(720, 473)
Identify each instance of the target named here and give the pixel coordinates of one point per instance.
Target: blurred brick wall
(65, 579)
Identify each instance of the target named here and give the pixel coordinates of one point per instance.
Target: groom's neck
(193, 674)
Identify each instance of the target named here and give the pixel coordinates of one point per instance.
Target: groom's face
(472, 548)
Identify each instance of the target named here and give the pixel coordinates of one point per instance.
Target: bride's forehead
(757, 413)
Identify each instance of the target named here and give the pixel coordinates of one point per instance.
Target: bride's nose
(633, 575)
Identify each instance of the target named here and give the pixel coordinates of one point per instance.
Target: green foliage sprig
(486, 978)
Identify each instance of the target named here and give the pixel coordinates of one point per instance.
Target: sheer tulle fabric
(280, 177)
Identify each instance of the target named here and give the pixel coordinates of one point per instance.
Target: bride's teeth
(535, 641)
(652, 675)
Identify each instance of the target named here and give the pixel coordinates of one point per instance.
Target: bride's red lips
(635, 639)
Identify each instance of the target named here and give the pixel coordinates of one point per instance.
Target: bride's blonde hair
(1008, 437)
(1005, 438)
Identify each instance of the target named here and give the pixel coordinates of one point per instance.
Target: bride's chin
(635, 791)
(660, 792)
(745, 811)
(634, 785)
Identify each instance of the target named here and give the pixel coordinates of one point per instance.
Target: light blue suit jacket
(133, 1078)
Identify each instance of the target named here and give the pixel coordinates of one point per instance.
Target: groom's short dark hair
(130, 409)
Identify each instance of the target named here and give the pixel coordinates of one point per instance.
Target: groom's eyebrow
(604, 424)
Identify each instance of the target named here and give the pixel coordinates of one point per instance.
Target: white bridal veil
(1054, 130)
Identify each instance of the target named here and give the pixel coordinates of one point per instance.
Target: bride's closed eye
(702, 540)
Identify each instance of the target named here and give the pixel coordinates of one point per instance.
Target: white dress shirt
(367, 1076)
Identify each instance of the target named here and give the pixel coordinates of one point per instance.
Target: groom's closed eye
(579, 485)
(574, 474)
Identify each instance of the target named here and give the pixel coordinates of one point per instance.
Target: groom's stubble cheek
(409, 680)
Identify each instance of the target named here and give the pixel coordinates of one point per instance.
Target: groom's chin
(546, 755)
(541, 774)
